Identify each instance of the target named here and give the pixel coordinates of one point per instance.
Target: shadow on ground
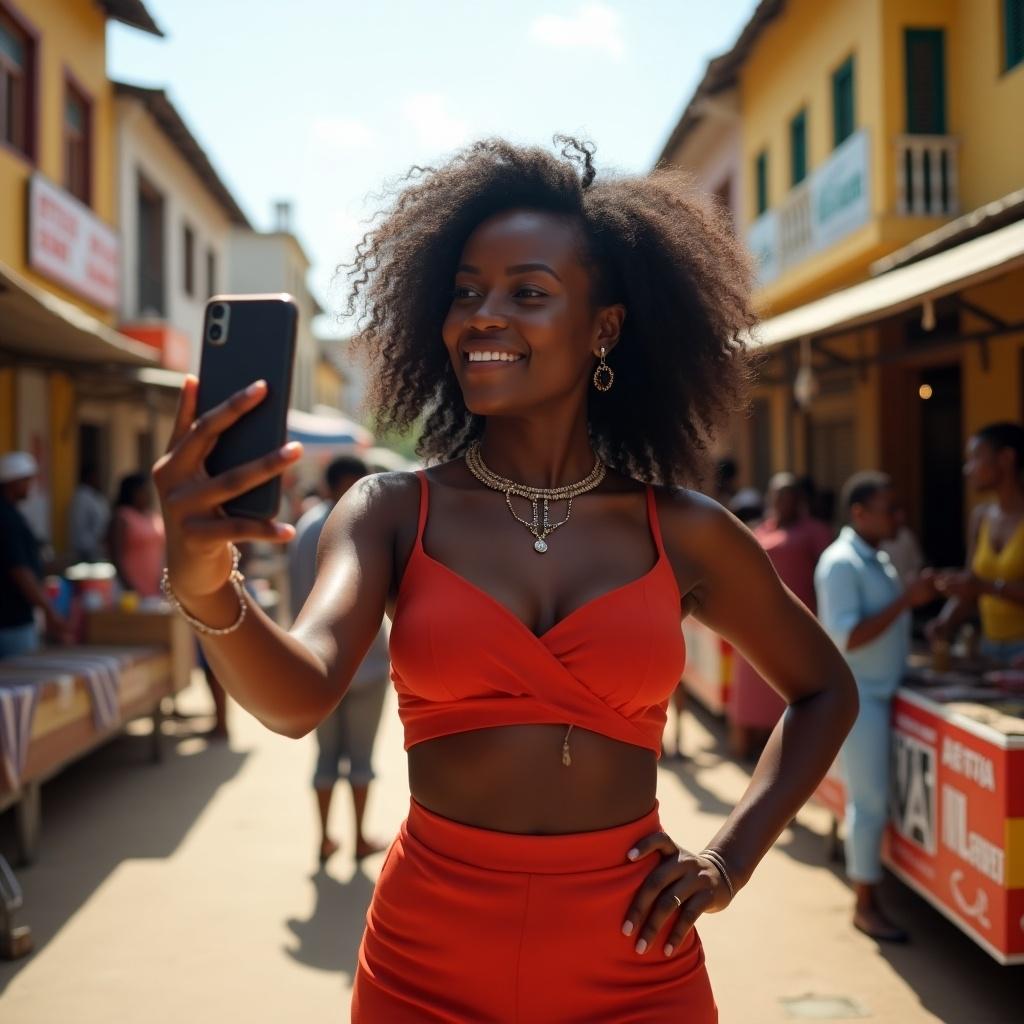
(953, 978)
(329, 939)
(115, 791)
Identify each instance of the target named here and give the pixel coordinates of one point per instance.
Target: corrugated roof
(131, 12)
(37, 323)
(943, 274)
(157, 102)
(990, 217)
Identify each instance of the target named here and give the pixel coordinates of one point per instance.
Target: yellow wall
(895, 17)
(983, 112)
(72, 37)
(994, 394)
(64, 453)
(991, 101)
(816, 37)
(7, 410)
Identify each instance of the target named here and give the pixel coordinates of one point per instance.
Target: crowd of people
(129, 534)
(863, 583)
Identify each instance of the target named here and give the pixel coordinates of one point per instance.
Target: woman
(993, 582)
(137, 537)
(794, 541)
(578, 338)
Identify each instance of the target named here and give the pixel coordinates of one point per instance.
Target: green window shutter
(798, 148)
(1013, 32)
(842, 102)
(761, 177)
(925, 73)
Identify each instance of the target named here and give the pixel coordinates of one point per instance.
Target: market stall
(60, 703)
(708, 671)
(956, 828)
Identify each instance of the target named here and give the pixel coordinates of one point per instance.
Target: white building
(274, 261)
(176, 218)
(706, 141)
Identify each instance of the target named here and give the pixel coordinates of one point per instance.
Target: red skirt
(469, 926)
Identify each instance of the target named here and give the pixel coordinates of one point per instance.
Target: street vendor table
(708, 672)
(56, 705)
(956, 823)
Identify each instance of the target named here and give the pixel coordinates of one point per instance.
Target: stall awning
(37, 323)
(968, 264)
(326, 428)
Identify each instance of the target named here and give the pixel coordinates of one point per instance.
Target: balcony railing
(926, 175)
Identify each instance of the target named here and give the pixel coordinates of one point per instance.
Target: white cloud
(342, 133)
(436, 127)
(593, 26)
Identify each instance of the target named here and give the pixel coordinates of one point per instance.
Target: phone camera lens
(216, 332)
(217, 312)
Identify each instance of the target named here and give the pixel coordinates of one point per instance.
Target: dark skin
(995, 472)
(511, 778)
(57, 627)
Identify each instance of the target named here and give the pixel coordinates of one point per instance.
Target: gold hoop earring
(604, 375)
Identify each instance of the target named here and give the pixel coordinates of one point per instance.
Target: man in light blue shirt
(865, 609)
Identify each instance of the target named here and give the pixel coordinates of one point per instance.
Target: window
(761, 181)
(798, 148)
(1013, 32)
(843, 122)
(211, 273)
(150, 227)
(926, 81)
(77, 118)
(188, 244)
(17, 73)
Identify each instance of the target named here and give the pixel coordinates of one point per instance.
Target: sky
(326, 103)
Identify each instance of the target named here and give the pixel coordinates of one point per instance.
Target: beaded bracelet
(236, 580)
(719, 861)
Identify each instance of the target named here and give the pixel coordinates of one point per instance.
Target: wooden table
(64, 729)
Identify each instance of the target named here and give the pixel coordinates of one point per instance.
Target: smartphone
(247, 338)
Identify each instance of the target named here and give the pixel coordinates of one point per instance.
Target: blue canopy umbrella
(326, 428)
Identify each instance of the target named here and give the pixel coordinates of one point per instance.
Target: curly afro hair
(652, 243)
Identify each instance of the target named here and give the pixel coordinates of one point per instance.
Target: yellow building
(59, 247)
(877, 178)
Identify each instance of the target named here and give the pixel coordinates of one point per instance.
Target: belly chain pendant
(566, 756)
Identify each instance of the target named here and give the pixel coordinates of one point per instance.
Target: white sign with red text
(70, 245)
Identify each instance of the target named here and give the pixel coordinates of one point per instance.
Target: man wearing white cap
(21, 568)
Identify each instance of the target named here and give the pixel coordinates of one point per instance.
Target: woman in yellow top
(994, 579)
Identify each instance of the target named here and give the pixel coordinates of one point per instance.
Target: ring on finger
(678, 901)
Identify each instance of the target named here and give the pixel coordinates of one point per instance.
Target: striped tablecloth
(17, 711)
(23, 676)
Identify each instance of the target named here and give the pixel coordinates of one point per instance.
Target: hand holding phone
(248, 338)
(219, 480)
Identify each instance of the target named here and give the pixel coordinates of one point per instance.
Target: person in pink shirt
(137, 537)
(794, 541)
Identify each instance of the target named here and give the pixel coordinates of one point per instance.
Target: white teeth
(494, 357)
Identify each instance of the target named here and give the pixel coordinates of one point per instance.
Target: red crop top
(460, 660)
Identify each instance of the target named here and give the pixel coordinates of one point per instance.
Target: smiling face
(522, 329)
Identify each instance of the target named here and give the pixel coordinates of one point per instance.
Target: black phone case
(260, 343)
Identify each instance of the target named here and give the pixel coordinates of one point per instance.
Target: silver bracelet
(236, 579)
(719, 861)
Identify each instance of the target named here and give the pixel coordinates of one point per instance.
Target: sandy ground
(189, 891)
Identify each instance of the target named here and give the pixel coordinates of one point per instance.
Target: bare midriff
(511, 779)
